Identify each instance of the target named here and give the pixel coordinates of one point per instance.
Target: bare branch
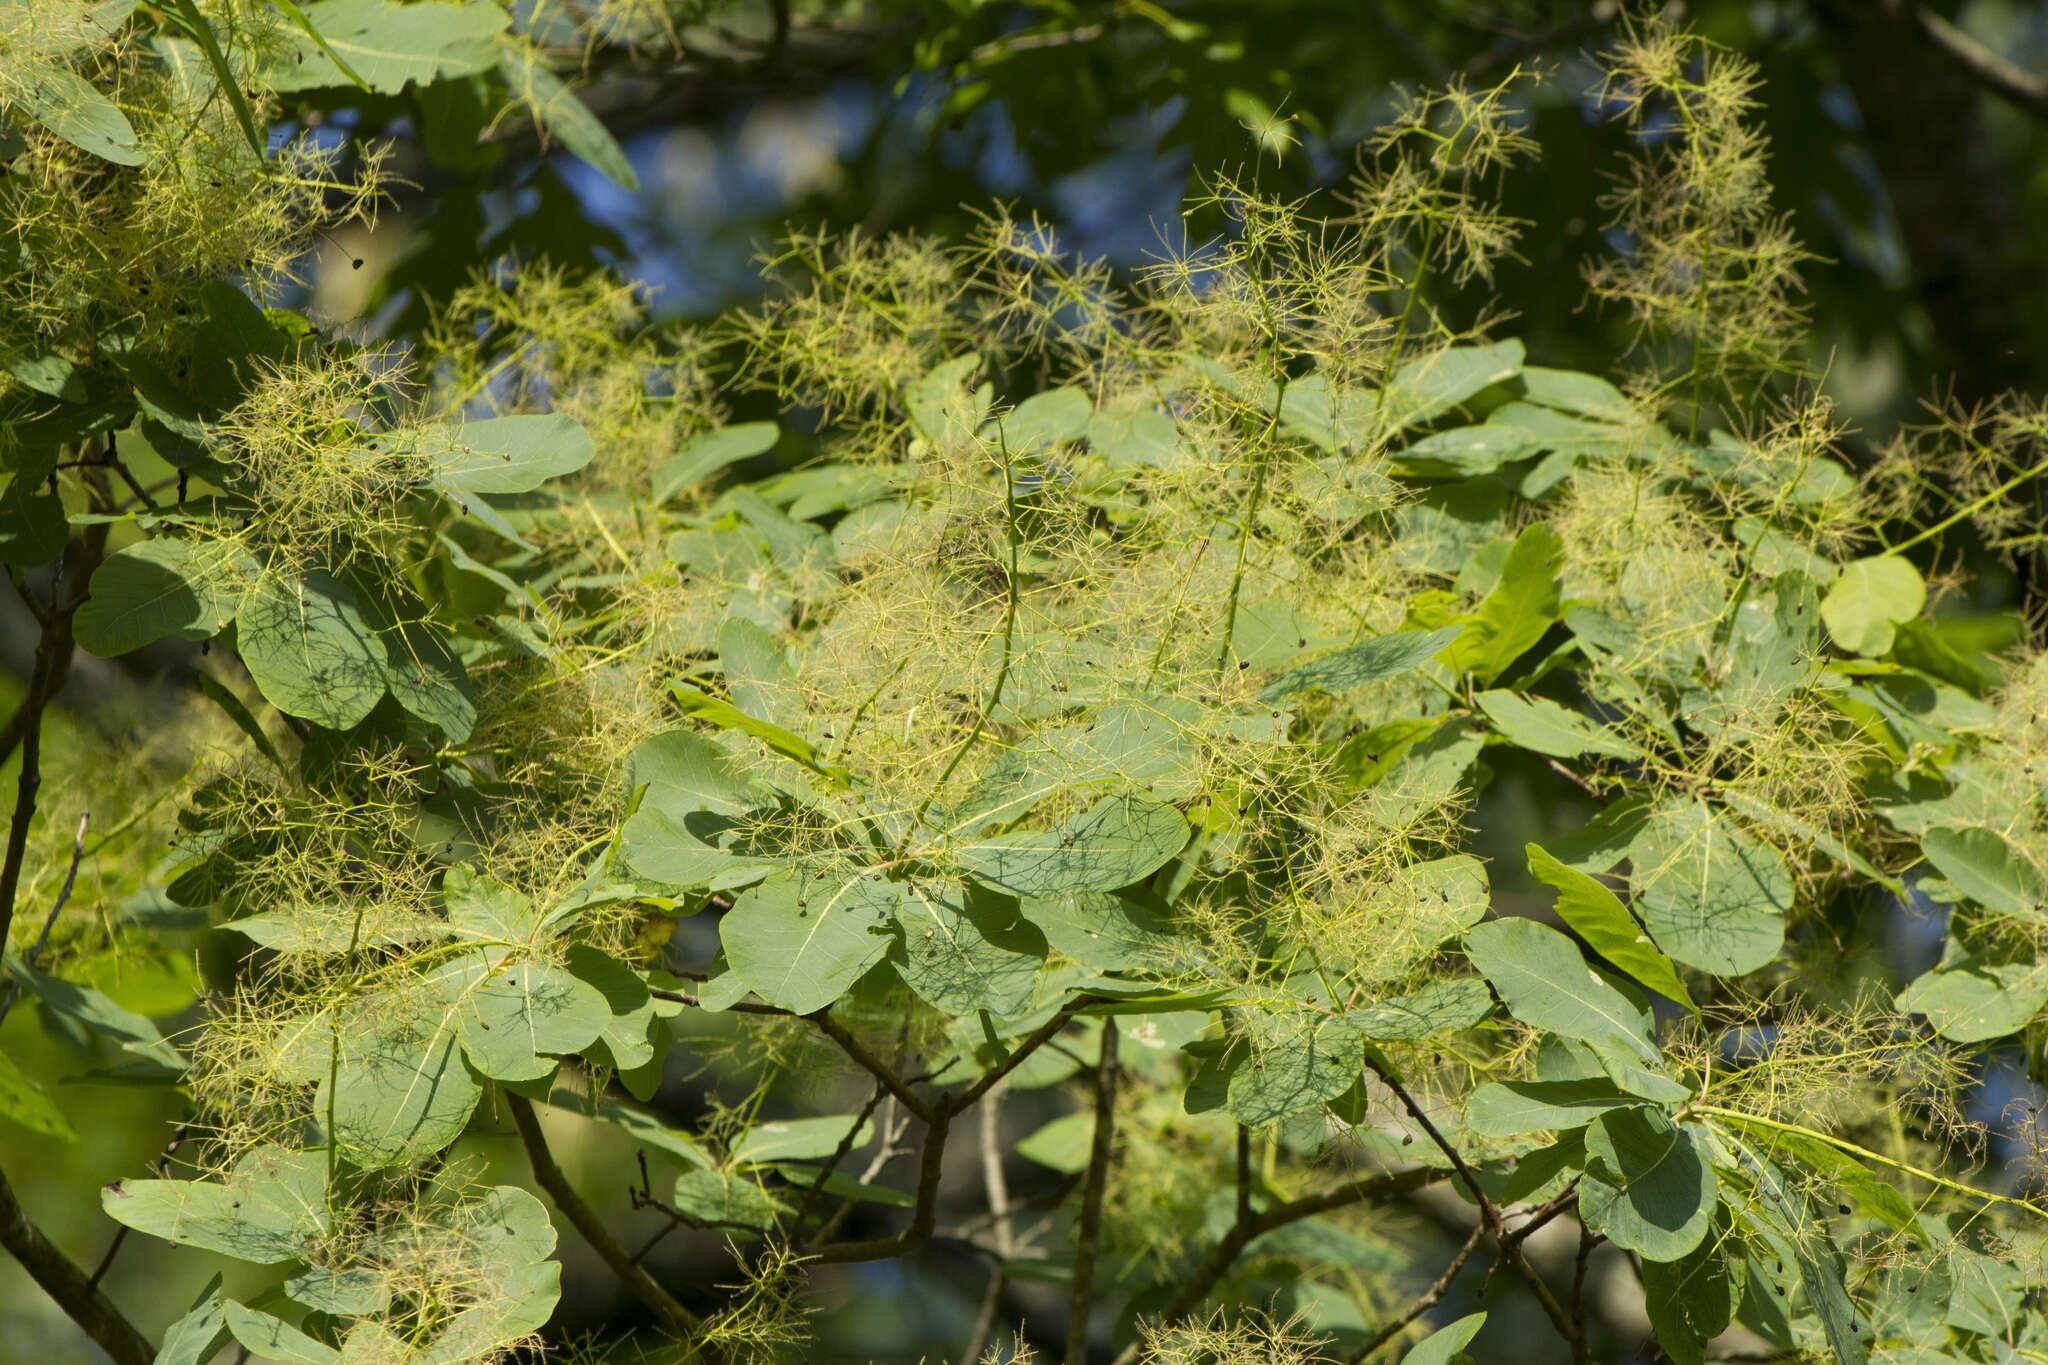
(1376, 1189)
(2023, 89)
(1090, 1230)
(1429, 1298)
(630, 1272)
(63, 1281)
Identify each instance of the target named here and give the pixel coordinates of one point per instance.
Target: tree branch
(1090, 1230)
(1429, 1298)
(1510, 1246)
(74, 1291)
(35, 952)
(998, 1190)
(63, 1281)
(550, 1178)
(2025, 90)
(922, 1218)
(873, 1065)
(1375, 1189)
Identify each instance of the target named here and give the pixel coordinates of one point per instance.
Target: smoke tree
(1085, 685)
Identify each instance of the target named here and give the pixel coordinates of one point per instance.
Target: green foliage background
(1252, 805)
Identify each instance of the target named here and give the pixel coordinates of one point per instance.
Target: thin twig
(841, 1152)
(1581, 1344)
(81, 1299)
(160, 1166)
(873, 1065)
(1510, 1247)
(35, 951)
(736, 1007)
(1376, 1189)
(1429, 1299)
(59, 1277)
(922, 1218)
(998, 1192)
(2026, 90)
(631, 1273)
(1090, 1230)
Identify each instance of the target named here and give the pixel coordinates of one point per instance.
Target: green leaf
(164, 586)
(510, 1019)
(188, 15)
(274, 1339)
(708, 452)
(33, 528)
(726, 716)
(1571, 391)
(1598, 916)
(1064, 1144)
(505, 454)
(1145, 438)
(1541, 725)
(1545, 982)
(1436, 1008)
(1691, 1301)
(722, 1199)
(799, 1139)
(965, 949)
(1465, 451)
(1515, 615)
(310, 649)
(1434, 384)
(1113, 844)
(305, 23)
(1852, 1178)
(88, 1006)
(1783, 1214)
(1129, 743)
(387, 45)
(799, 940)
(1869, 600)
(1104, 929)
(677, 1145)
(1383, 656)
(684, 772)
(1452, 891)
(65, 103)
(195, 1338)
(686, 849)
(29, 1105)
(1510, 1108)
(272, 1207)
(1044, 419)
(1980, 864)
(221, 695)
(565, 116)
(1446, 1345)
(629, 1031)
(400, 1092)
(1989, 1297)
(757, 673)
(1650, 1183)
(840, 1184)
(424, 676)
(1713, 897)
(1973, 1002)
(353, 1293)
(1298, 1070)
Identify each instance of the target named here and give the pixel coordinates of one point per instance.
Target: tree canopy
(1146, 683)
